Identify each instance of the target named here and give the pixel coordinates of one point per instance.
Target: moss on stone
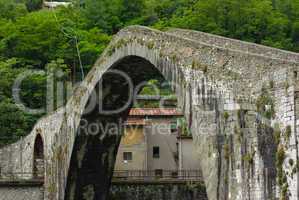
(174, 57)
(225, 115)
(161, 54)
(51, 188)
(271, 84)
(265, 104)
(239, 113)
(226, 151)
(281, 175)
(140, 41)
(295, 167)
(249, 158)
(288, 132)
(280, 156)
(197, 66)
(277, 134)
(110, 51)
(150, 45)
(226, 180)
(238, 133)
(286, 86)
(204, 69)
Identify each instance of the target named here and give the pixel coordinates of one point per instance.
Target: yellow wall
(133, 135)
(133, 141)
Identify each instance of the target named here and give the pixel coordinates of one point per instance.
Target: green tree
(131, 10)
(104, 14)
(42, 36)
(91, 44)
(34, 4)
(33, 87)
(12, 122)
(7, 76)
(295, 36)
(11, 10)
(33, 91)
(37, 38)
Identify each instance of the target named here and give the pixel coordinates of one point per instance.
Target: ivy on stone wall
(265, 104)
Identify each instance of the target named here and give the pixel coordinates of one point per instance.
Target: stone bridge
(239, 100)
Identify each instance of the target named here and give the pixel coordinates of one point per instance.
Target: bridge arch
(38, 157)
(91, 174)
(89, 161)
(208, 77)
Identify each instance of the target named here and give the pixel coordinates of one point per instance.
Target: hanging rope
(73, 37)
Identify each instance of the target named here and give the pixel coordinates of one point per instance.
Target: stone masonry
(240, 101)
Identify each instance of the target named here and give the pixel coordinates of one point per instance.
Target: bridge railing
(20, 176)
(157, 174)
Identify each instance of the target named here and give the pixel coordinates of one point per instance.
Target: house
(150, 140)
(188, 157)
(55, 4)
(156, 140)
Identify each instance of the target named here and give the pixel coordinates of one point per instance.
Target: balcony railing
(125, 175)
(149, 175)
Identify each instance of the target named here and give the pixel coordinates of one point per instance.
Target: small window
(174, 126)
(128, 156)
(156, 152)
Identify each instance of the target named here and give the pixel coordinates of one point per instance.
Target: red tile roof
(154, 112)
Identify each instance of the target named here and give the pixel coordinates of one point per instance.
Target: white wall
(159, 134)
(187, 157)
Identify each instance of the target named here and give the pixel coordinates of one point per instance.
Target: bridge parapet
(236, 45)
(226, 68)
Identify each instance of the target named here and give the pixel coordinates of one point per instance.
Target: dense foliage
(35, 38)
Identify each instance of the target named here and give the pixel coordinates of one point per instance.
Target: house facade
(152, 141)
(188, 158)
(55, 4)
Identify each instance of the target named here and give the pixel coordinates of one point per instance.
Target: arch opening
(38, 161)
(156, 157)
(101, 128)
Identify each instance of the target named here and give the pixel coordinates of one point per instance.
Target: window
(128, 156)
(174, 126)
(156, 152)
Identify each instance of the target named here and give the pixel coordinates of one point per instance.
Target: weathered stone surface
(219, 86)
(21, 193)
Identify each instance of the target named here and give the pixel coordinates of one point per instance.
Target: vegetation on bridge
(32, 37)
